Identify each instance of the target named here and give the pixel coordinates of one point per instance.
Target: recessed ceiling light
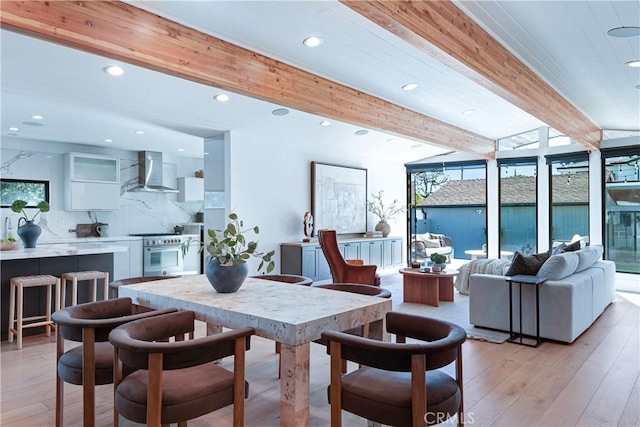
(624, 32)
(114, 70)
(221, 98)
(416, 146)
(280, 112)
(139, 132)
(467, 112)
(312, 41)
(634, 64)
(181, 149)
(391, 140)
(206, 153)
(37, 117)
(362, 132)
(14, 129)
(108, 140)
(325, 123)
(409, 86)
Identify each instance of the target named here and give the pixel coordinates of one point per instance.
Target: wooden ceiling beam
(121, 31)
(443, 31)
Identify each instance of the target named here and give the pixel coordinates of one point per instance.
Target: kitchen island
(53, 259)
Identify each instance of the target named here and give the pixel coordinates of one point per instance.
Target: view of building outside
(569, 191)
(451, 200)
(518, 229)
(622, 212)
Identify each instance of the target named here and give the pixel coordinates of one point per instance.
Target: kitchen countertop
(58, 240)
(51, 250)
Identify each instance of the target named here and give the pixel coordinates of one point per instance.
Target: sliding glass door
(621, 199)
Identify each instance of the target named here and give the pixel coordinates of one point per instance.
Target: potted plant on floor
(439, 262)
(229, 250)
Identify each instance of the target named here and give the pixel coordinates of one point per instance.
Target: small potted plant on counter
(439, 261)
(229, 250)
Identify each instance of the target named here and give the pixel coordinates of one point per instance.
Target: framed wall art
(339, 198)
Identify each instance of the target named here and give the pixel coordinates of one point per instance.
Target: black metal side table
(517, 338)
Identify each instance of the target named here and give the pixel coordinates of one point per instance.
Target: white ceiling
(565, 42)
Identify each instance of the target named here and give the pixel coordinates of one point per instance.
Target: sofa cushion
(559, 266)
(587, 256)
(527, 265)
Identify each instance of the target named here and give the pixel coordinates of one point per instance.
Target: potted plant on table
(29, 231)
(229, 250)
(439, 261)
(377, 207)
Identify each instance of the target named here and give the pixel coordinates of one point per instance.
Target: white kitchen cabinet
(127, 264)
(191, 189)
(91, 182)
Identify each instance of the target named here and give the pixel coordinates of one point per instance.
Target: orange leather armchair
(341, 270)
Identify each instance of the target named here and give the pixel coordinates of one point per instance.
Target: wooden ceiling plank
(443, 31)
(121, 31)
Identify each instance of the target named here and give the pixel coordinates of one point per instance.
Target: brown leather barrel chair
(399, 384)
(178, 380)
(91, 363)
(341, 270)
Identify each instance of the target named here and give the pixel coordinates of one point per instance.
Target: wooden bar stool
(77, 276)
(17, 285)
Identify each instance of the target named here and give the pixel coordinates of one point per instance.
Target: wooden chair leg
(88, 376)
(74, 291)
(47, 328)
(59, 382)
(20, 292)
(154, 392)
(12, 313)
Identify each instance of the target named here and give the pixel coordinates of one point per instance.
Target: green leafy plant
(18, 206)
(377, 207)
(230, 246)
(438, 258)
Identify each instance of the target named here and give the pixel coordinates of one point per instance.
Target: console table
(306, 258)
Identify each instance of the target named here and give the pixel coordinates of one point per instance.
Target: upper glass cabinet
(88, 167)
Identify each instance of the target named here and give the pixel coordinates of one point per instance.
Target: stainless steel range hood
(150, 173)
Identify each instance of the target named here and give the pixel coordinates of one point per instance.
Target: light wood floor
(593, 382)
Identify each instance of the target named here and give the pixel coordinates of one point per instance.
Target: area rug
(455, 312)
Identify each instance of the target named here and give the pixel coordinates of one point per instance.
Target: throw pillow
(558, 249)
(572, 247)
(527, 265)
(559, 266)
(587, 256)
(432, 243)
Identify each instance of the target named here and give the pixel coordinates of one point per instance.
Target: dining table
(290, 314)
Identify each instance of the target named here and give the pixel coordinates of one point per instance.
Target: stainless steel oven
(162, 255)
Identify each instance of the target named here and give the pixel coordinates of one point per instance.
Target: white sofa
(579, 287)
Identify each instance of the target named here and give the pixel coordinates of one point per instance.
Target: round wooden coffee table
(427, 288)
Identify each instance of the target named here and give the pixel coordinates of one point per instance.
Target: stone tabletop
(283, 312)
